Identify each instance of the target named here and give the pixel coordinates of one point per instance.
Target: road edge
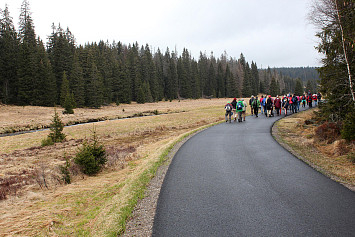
(282, 143)
(142, 219)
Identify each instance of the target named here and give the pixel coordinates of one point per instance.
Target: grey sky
(271, 33)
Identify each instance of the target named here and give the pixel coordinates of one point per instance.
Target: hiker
(239, 109)
(277, 103)
(309, 100)
(303, 101)
(256, 105)
(319, 96)
(315, 99)
(261, 104)
(244, 109)
(228, 107)
(294, 103)
(234, 104)
(285, 104)
(269, 106)
(251, 103)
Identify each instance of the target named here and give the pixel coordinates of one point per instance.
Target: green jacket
(256, 104)
(242, 105)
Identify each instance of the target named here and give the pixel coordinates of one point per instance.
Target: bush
(47, 142)
(348, 130)
(56, 129)
(328, 132)
(56, 134)
(351, 157)
(64, 171)
(91, 157)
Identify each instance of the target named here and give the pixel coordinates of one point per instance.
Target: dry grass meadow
(331, 158)
(34, 199)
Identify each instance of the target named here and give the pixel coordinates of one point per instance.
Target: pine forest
(59, 71)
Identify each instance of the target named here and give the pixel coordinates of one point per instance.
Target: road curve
(236, 180)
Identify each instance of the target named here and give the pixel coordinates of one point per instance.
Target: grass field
(36, 202)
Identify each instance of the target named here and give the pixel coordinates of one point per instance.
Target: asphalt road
(236, 180)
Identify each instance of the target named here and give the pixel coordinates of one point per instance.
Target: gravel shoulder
(142, 219)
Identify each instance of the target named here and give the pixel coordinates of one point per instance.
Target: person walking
(228, 107)
(303, 101)
(234, 104)
(309, 100)
(244, 109)
(239, 109)
(256, 105)
(251, 103)
(269, 106)
(285, 104)
(277, 104)
(261, 104)
(315, 99)
(294, 103)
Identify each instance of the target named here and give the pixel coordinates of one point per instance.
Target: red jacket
(277, 103)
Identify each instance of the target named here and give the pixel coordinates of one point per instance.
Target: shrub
(91, 157)
(351, 156)
(56, 134)
(348, 130)
(47, 142)
(64, 171)
(56, 129)
(328, 132)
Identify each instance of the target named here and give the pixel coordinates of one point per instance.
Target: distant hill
(304, 73)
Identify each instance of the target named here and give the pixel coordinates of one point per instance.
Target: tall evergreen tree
(274, 88)
(255, 79)
(27, 58)
(9, 50)
(77, 81)
(45, 87)
(299, 87)
(64, 91)
(247, 89)
(61, 48)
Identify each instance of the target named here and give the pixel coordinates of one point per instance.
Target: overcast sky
(271, 33)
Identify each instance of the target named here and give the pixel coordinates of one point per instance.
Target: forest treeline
(36, 73)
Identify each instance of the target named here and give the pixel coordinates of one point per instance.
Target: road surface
(236, 180)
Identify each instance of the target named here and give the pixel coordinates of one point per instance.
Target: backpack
(228, 107)
(239, 106)
(255, 104)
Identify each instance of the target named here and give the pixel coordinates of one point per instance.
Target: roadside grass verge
(99, 205)
(330, 159)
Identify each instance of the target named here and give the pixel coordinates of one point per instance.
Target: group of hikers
(267, 105)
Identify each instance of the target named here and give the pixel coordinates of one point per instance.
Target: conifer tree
(255, 79)
(221, 90)
(45, 87)
(77, 81)
(274, 88)
(64, 91)
(9, 50)
(247, 90)
(27, 58)
(299, 87)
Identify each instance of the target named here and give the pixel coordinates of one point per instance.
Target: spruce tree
(77, 81)
(247, 90)
(274, 88)
(299, 87)
(64, 91)
(9, 53)
(28, 55)
(45, 87)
